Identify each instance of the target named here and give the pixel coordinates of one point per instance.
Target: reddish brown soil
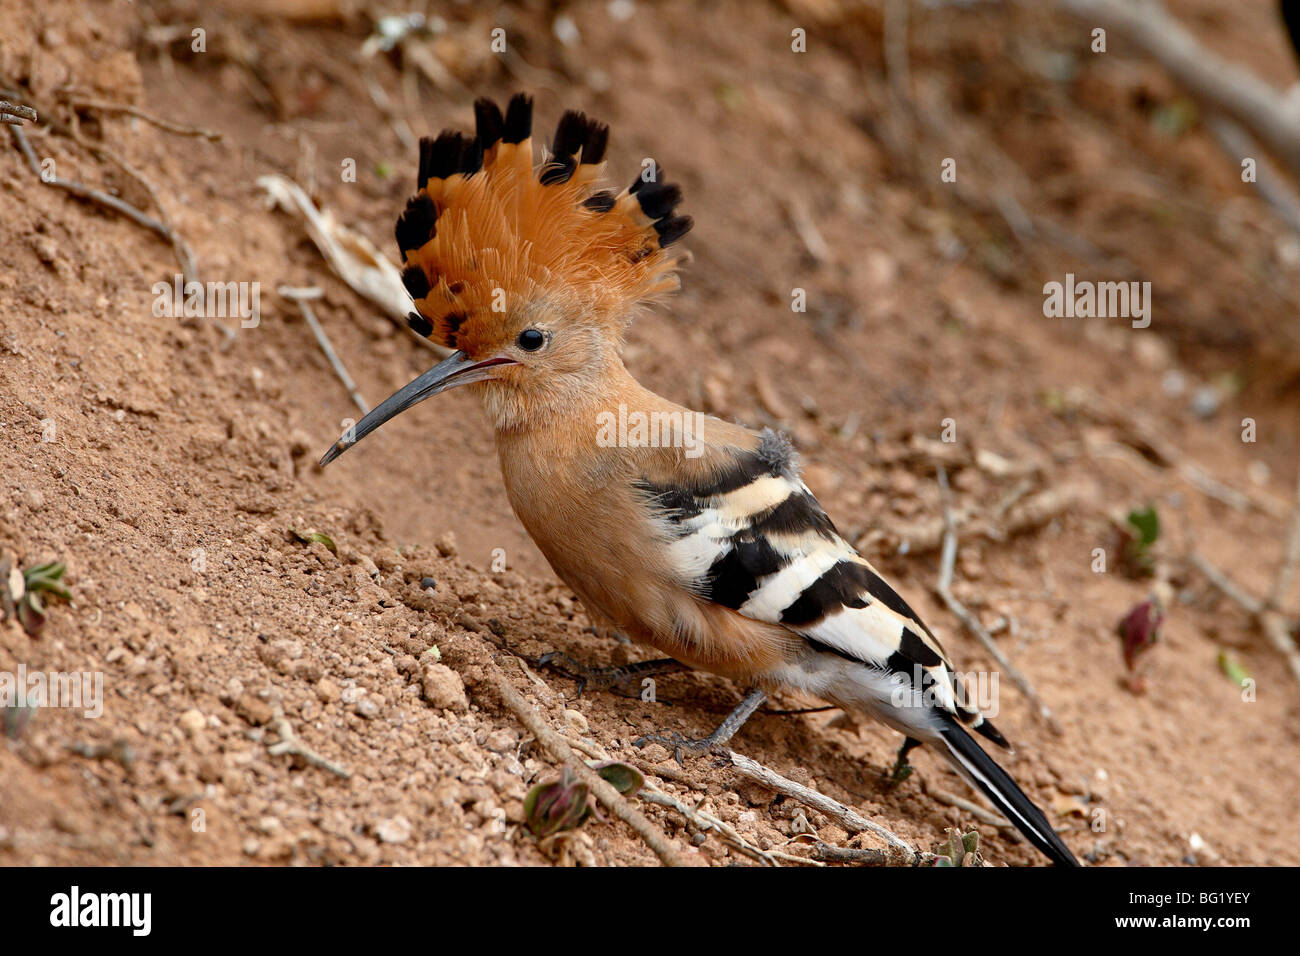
(168, 440)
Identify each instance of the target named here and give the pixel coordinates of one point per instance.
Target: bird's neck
(569, 403)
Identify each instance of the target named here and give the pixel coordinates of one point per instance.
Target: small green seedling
(960, 849)
(559, 805)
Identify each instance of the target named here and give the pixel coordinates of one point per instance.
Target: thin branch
(1277, 629)
(974, 809)
(1286, 572)
(290, 744)
(944, 588)
(15, 113)
(843, 854)
(301, 296)
(162, 225)
(899, 850)
(85, 192)
(613, 801)
(1224, 86)
(707, 822)
(179, 129)
(184, 257)
(1237, 143)
(1252, 605)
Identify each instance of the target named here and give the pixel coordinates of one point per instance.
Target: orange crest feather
(488, 231)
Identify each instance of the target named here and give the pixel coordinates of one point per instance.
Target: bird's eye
(530, 340)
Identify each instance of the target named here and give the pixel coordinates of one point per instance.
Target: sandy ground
(169, 468)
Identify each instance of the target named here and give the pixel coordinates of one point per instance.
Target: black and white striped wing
(756, 540)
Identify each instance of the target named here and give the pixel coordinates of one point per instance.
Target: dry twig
(899, 851)
(290, 744)
(557, 745)
(85, 192)
(168, 126)
(972, 624)
(974, 809)
(301, 296)
(15, 113)
(1276, 627)
(1223, 86)
(353, 257)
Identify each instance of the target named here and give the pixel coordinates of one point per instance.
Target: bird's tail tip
(995, 783)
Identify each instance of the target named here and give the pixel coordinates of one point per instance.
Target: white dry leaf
(352, 256)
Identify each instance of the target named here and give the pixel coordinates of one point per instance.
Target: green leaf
(307, 537)
(1230, 666)
(626, 779)
(551, 808)
(1147, 524)
(47, 577)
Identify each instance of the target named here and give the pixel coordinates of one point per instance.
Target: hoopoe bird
(705, 544)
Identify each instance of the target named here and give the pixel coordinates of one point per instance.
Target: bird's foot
(902, 769)
(606, 678)
(680, 744)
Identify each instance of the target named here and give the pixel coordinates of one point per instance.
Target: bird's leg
(724, 732)
(902, 769)
(607, 633)
(603, 678)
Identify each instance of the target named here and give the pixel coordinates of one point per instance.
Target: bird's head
(529, 274)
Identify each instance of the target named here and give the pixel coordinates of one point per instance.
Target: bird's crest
(489, 230)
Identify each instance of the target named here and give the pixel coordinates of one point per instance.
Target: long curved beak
(456, 369)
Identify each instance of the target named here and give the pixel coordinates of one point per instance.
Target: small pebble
(394, 830)
(1205, 402)
(191, 722)
(576, 721)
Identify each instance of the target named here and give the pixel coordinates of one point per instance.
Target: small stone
(443, 688)
(500, 741)
(192, 722)
(368, 708)
(394, 830)
(256, 712)
(327, 690)
(47, 250)
(428, 584)
(35, 500)
(447, 545)
(577, 721)
(1205, 402)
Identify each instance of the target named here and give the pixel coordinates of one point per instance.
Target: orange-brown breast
(578, 502)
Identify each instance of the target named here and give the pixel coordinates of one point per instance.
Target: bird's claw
(902, 770)
(678, 744)
(604, 678)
